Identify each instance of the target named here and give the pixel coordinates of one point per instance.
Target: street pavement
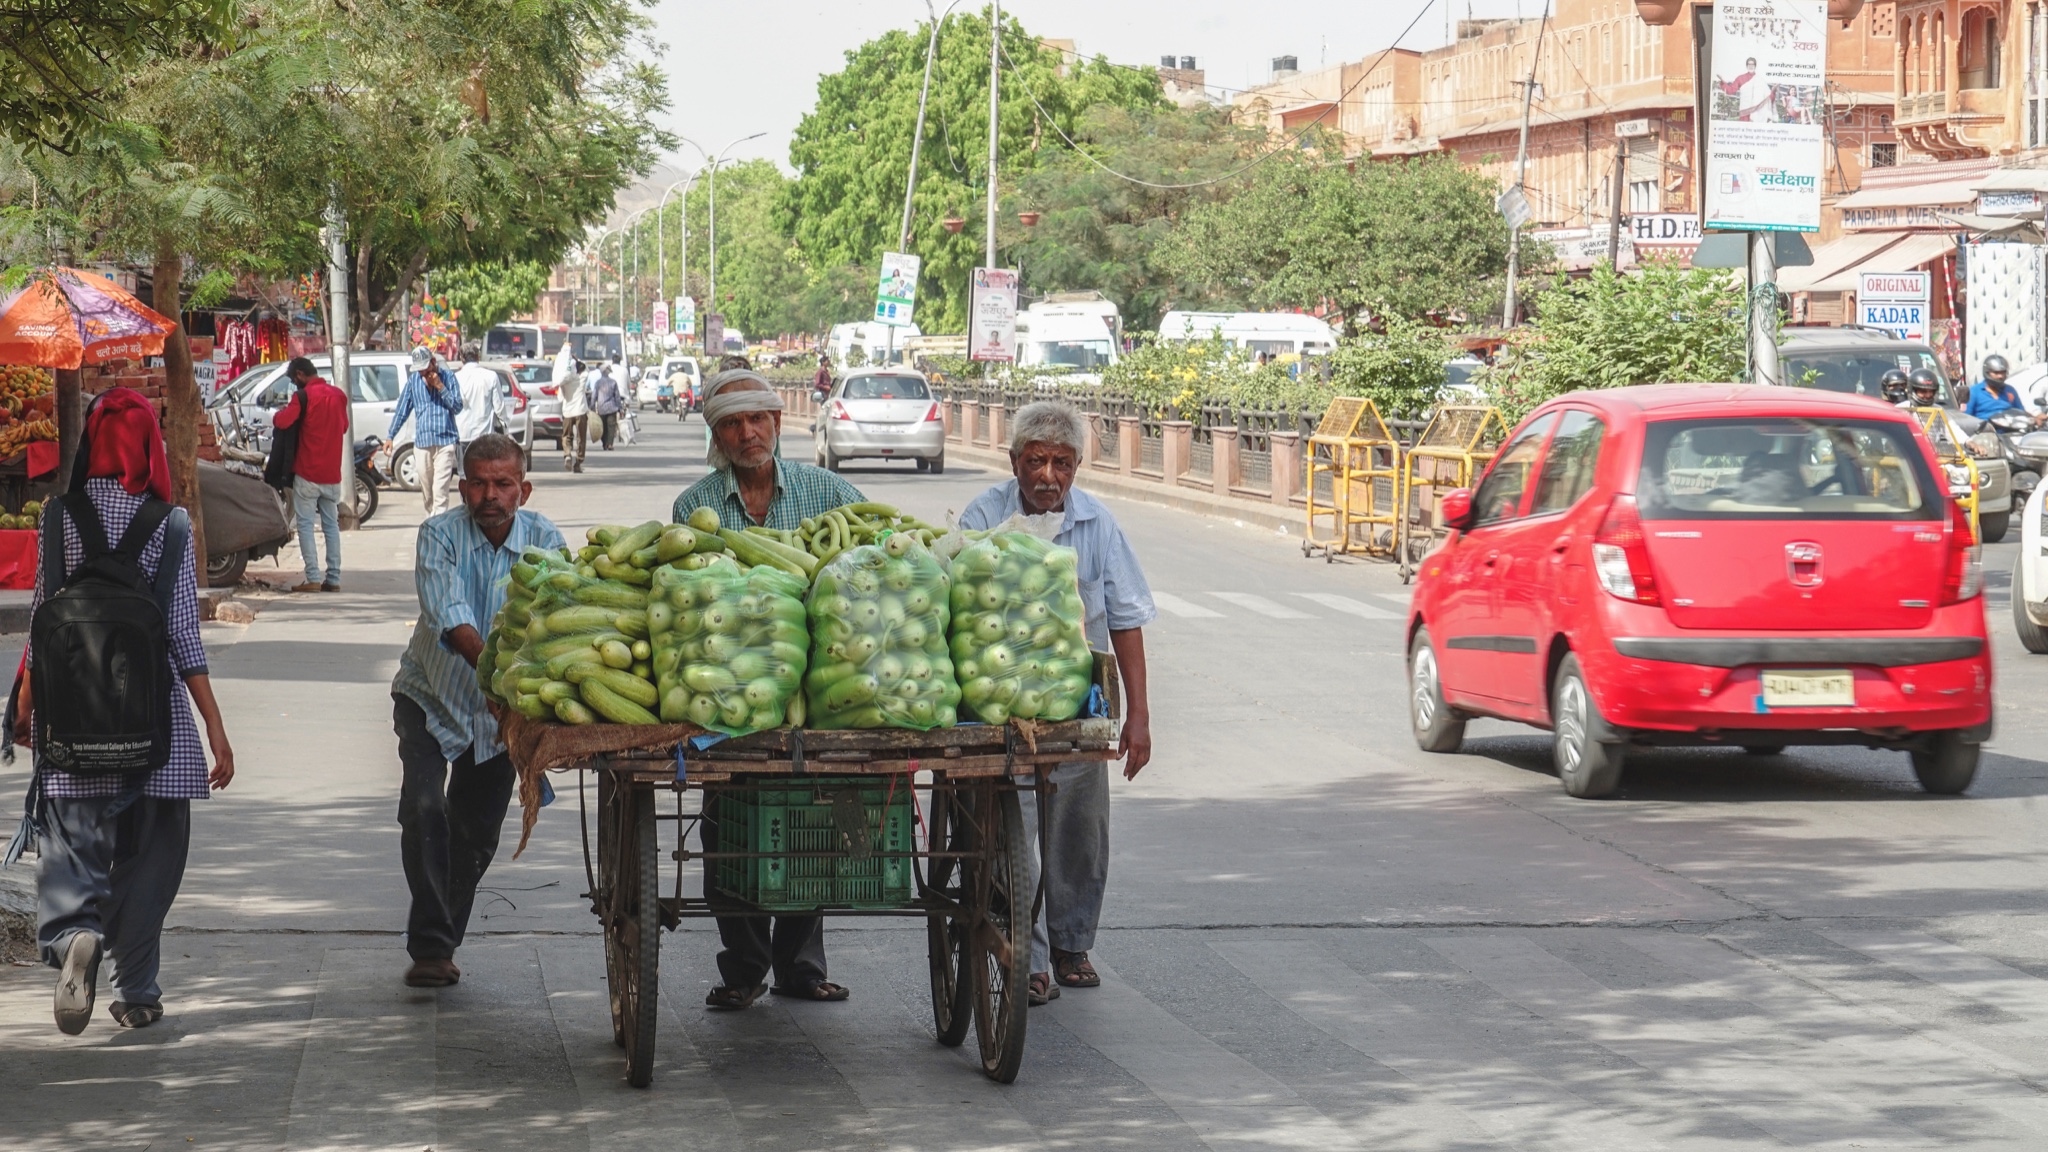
(1316, 936)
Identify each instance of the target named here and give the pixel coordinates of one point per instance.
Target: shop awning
(1834, 256)
(2005, 227)
(1921, 185)
(1908, 252)
(2015, 180)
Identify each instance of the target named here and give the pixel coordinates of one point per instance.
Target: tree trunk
(374, 324)
(182, 407)
(70, 422)
(362, 317)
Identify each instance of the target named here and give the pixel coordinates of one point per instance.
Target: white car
(2030, 576)
(650, 381)
(256, 394)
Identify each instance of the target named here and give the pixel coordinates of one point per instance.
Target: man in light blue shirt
(458, 779)
(1045, 455)
(431, 399)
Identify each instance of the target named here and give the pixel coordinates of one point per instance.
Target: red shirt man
(321, 412)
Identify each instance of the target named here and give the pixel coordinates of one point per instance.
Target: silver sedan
(881, 414)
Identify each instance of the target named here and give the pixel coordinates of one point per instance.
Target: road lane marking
(1348, 605)
(1261, 605)
(1168, 602)
(1401, 598)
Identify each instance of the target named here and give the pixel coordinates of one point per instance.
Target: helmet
(1995, 364)
(1892, 384)
(1924, 380)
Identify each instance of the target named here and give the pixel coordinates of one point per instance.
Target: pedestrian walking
(575, 394)
(114, 636)
(605, 402)
(1045, 455)
(479, 416)
(319, 411)
(748, 485)
(432, 400)
(457, 777)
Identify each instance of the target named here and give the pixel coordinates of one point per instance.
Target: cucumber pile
(1017, 634)
(729, 646)
(878, 640)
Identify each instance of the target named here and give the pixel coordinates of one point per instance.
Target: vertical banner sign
(1768, 107)
(992, 315)
(1894, 301)
(896, 297)
(686, 316)
(714, 334)
(660, 310)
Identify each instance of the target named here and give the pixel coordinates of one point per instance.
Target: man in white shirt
(479, 415)
(575, 394)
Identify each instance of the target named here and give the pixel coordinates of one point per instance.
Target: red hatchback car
(1707, 564)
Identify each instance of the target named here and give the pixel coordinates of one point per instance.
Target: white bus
(1273, 334)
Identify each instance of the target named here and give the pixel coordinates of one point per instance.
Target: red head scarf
(125, 442)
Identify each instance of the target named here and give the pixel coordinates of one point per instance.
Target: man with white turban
(750, 485)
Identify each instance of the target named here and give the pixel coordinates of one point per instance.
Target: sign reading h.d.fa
(1895, 301)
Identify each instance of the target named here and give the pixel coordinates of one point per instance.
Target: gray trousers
(1077, 868)
(791, 949)
(115, 876)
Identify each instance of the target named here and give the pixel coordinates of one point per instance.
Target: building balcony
(1949, 126)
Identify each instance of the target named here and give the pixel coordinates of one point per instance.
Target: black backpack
(102, 672)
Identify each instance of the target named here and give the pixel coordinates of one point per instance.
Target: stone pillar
(1128, 433)
(1089, 454)
(968, 408)
(1223, 472)
(1176, 444)
(997, 435)
(946, 416)
(1286, 466)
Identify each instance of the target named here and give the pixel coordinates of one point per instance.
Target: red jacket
(322, 432)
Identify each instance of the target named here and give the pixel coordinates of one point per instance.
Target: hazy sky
(752, 66)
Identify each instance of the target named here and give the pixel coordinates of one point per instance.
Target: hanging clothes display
(273, 337)
(237, 338)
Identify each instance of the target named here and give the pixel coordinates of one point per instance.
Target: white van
(1057, 338)
(1274, 334)
(514, 342)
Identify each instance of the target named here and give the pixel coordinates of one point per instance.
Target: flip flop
(823, 990)
(727, 999)
(1042, 990)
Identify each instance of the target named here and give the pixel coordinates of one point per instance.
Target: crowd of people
(112, 845)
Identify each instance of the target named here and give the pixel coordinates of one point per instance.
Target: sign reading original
(1895, 301)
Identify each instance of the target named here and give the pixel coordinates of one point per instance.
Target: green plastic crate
(818, 816)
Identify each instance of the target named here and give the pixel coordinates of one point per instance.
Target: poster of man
(1765, 147)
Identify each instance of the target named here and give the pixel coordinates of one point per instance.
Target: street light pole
(711, 285)
(1507, 312)
(995, 42)
(917, 135)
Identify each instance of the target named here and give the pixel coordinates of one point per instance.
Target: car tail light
(1620, 557)
(518, 401)
(547, 389)
(839, 411)
(1963, 576)
(932, 417)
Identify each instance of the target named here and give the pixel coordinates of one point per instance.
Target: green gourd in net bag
(730, 646)
(1017, 637)
(878, 640)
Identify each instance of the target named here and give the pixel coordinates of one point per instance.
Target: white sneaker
(77, 982)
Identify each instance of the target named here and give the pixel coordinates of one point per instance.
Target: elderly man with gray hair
(1045, 455)
(750, 485)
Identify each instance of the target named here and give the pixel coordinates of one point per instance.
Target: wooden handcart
(957, 858)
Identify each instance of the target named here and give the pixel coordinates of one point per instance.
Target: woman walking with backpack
(112, 835)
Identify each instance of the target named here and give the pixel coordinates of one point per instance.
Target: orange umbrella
(65, 318)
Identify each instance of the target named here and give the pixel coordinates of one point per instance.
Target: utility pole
(1507, 312)
(1614, 215)
(995, 43)
(1763, 310)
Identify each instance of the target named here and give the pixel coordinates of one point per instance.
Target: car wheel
(1947, 765)
(923, 465)
(2033, 637)
(1587, 767)
(406, 469)
(1991, 526)
(1438, 726)
(832, 460)
(225, 570)
(938, 464)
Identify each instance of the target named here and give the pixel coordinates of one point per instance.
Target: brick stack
(147, 377)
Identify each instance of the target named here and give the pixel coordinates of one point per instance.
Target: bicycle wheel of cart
(601, 894)
(632, 922)
(1001, 943)
(952, 984)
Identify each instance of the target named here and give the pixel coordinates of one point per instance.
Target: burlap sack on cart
(538, 747)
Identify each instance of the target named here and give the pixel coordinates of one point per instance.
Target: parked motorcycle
(368, 477)
(244, 519)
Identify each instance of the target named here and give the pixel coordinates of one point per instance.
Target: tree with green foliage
(1399, 367)
(488, 294)
(63, 66)
(852, 151)
(1658, 324)
(1411, 237)
(1101, 228)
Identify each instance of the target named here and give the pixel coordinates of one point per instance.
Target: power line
(1236, 172)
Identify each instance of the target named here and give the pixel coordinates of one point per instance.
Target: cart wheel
(952, 984)
(1001, 946)
(632, 922)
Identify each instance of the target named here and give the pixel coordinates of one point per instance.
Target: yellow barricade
(1361, 461)
(1452, 451)
(1951, 446)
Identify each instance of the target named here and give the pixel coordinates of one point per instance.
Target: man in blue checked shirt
(458, 778)
(431, 399)
(1045, 454)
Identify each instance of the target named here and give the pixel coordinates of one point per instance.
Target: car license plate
(894, 429)
(1809, 688)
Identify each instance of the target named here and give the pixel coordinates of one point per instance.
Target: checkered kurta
(184, 776)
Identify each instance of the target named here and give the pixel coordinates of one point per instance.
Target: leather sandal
(1073, 969)
(726, 998)
(823, 990)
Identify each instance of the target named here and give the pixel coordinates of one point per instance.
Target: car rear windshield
(886, 388)
(533, 373)
(1857, 372)
(1775, 468)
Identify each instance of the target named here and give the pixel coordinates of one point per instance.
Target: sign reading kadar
(1894, 301)
(992, 315)
(1768, 112)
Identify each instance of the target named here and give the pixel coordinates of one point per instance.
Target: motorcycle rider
(1925, 387)
(1893, 386)
(1992, 395)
